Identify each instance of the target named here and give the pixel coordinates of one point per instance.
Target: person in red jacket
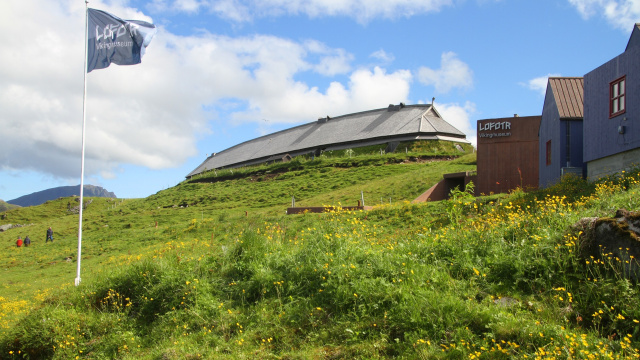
(19, 241)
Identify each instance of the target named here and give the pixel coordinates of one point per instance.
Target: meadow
(214, 269)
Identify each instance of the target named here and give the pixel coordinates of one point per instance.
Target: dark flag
(113, 40)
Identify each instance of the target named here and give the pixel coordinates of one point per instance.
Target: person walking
(27, 241)
(19, 241)
(49, 235)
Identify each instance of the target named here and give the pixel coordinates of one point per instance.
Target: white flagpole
(84, 117)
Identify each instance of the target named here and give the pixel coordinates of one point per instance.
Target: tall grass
(500, 277)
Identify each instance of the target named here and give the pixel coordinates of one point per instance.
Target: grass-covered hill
(212, 268)
(4, 206)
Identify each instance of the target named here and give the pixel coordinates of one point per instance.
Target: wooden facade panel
(508, 161)
(506, 166)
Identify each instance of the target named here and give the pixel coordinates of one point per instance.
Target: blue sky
(219, 72)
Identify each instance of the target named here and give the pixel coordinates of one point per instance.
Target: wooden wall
(507, 154)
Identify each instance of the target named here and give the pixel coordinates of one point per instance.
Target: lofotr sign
(493, 129)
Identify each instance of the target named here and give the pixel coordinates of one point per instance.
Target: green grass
(4, 206)
(497, 277)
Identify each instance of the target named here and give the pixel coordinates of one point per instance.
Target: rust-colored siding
(507, 154)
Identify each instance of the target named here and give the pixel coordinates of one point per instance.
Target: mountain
(43, 196)
(5, 206)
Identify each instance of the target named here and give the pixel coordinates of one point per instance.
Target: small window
(617, 102)
(568, 142)
(549, 152)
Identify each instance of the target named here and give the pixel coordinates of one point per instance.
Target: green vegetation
(4, 206)
(499, 277)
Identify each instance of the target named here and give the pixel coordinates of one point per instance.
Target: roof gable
(568, 93)
(634, 39)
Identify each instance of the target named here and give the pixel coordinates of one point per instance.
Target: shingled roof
(373, 127)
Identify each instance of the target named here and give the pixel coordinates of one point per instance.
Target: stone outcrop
(76, 209)
(6, 227)
(614, 240)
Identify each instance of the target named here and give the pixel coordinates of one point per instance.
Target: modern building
(560, 136)
(507, 154)
(612, 112)
(390, 126)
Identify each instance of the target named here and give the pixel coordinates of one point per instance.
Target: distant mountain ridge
(43, 196)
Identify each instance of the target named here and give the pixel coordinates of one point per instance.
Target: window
(568, 143)
(549, 152)
(617, 97)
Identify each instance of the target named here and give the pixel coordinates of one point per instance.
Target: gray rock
(613, 240)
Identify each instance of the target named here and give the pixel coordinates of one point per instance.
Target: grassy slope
(4, 206)
(113, 229)
(493, 278)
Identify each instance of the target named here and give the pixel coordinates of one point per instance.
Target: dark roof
(394, 123)
(569, 95)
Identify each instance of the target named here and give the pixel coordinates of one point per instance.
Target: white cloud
(152, 114)
(383, 56)
(232, 10)
(296, 101)
(362, 10)
(158, 5)
(622, 14)
(189, 6)
(186, 6)
(331, 61)
(539, 84)
(453, 73)
(460, 117)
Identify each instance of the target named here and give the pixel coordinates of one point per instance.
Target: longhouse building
(390, 126)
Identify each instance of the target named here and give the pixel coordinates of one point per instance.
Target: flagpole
(84, 120)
